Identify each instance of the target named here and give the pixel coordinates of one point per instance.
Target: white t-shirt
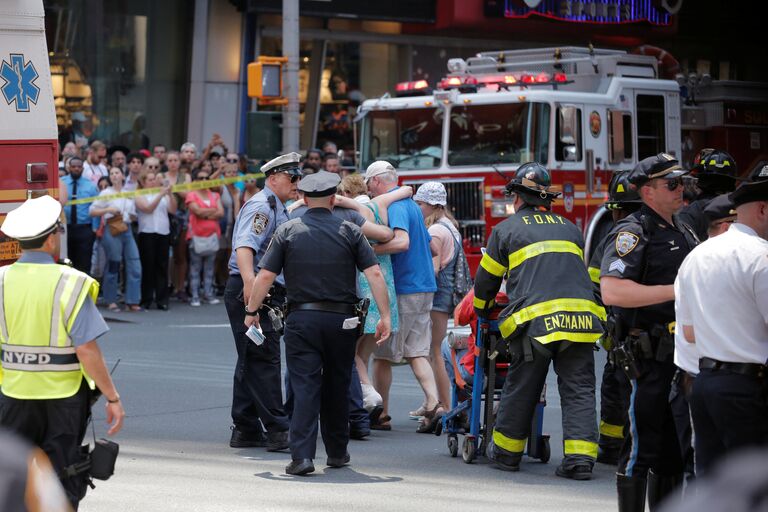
(94, 172)
(157, 221)
(125, 205)
(722, 291)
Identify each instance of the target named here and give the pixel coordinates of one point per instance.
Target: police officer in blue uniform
(637, 275)
(257, 400)
(623, 200)
(320, 255)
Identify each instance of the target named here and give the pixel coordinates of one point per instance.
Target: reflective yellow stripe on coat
(509, 324)
(546, 246)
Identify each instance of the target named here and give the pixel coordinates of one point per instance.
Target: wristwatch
(251, 313)
(117, 399)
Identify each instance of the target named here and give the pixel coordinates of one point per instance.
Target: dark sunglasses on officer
(674, 184)
(293, 177)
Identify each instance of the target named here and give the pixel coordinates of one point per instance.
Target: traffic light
(265, 80)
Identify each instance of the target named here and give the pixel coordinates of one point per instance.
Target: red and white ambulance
(582, 112)
(28, 132)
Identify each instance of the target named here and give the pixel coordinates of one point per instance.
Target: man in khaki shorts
(415, 285)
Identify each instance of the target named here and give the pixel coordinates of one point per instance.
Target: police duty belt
(181, 187)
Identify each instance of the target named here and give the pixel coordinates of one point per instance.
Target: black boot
(631, 491)
(659, 487)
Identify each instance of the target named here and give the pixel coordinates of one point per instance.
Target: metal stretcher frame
(480, 432)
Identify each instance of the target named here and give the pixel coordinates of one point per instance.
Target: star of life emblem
(19, 82)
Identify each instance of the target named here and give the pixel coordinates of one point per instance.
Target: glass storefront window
(120, 70)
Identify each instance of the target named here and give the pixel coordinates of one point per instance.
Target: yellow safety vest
(38, 306)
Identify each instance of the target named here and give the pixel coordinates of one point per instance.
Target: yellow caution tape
(181, 187)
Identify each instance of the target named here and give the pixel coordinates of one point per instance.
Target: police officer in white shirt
(719, 215)
(722, 307)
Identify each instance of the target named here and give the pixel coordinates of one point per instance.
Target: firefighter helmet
(716, 162)
(621, 193)
(533, 183)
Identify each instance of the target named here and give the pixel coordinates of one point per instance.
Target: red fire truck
(582, 112)
(28, 136)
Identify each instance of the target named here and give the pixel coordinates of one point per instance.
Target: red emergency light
(415, 88)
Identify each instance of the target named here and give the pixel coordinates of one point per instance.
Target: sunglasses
(232, 160)
(294, 177)
(202, 178)
(673, 184)
(153, 167)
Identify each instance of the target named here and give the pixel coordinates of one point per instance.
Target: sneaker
(212, 301)
(194, 302)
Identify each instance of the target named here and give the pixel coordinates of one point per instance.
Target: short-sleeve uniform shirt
(254, 227)
(342, 213)
(645, 248)
(319, 254)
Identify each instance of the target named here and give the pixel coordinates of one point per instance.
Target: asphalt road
(175, 379)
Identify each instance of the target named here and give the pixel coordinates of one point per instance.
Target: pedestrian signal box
(265, 80)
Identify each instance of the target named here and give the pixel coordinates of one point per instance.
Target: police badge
(260, 221)
(625, 242)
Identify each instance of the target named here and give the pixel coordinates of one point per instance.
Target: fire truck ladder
(569, 59)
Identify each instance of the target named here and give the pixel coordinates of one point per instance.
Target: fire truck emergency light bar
(471, 83)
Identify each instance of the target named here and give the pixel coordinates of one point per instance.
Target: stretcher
(490, 362)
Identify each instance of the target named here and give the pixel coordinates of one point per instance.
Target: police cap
(289, 163)
(33, 219)
(719, 208)
(320, 184)
(662, 165)
(749, 191)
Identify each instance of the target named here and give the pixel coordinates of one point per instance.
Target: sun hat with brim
(33, 219)
(378, 167)
(662, 165)
(432, 192)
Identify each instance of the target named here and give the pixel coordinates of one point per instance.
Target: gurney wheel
(544, 449)
(468, 450)
(453, 445)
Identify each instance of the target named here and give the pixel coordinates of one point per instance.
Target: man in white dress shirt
(722, 307)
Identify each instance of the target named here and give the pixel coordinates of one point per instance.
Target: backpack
(462, 279)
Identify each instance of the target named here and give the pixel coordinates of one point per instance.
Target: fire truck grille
(465, 202)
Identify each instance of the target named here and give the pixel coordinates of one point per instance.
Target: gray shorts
(415, 335)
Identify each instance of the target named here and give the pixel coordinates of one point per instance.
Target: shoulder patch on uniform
(260, 221)
(617, 265)
(625, 242)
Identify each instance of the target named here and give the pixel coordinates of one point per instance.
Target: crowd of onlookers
(149, 248)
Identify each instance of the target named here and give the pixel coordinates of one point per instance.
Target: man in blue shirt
(415, 285)
(80, 225)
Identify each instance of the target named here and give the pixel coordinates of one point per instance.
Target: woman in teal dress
(375, 210)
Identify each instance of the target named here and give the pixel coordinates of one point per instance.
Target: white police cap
(33, 219)
(320, 184)
(289, 163)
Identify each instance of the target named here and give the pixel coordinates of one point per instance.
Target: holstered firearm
(623, 352)
(361, 308)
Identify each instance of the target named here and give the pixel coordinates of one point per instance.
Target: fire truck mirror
(569, 125)
(570, 154)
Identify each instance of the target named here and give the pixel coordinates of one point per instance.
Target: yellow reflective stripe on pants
(539, 248)
(576, 337)
(573, 447)
(482, 304)
(492, 266)
(609, 430)
(594, 274)
(509, 444)
(509, 325)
